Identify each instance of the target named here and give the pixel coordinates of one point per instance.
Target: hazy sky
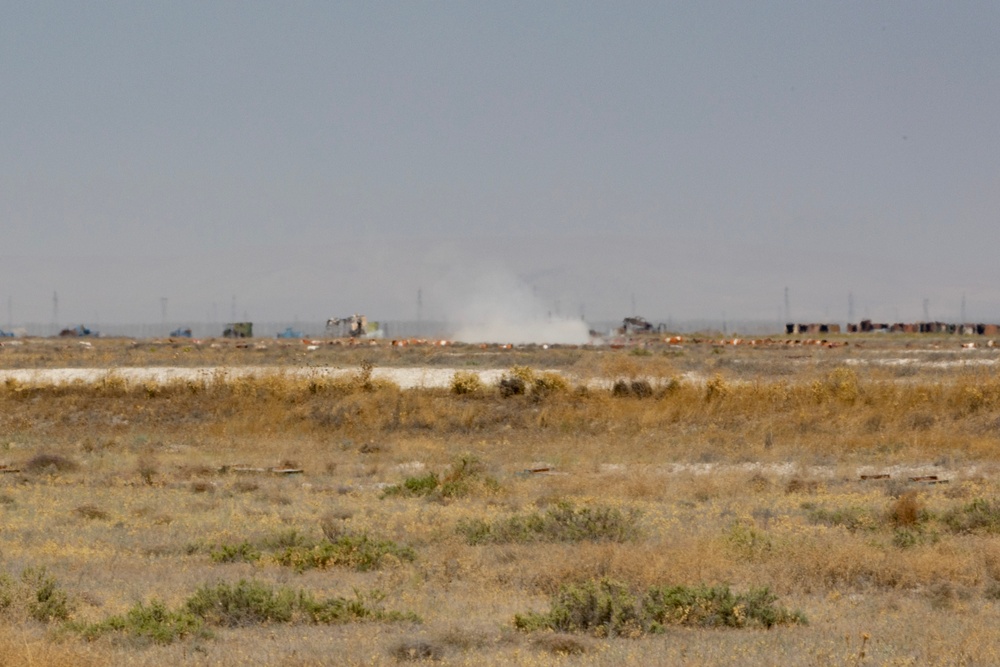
(323, 158)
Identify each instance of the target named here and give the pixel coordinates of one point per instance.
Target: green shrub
(748, 542)
(251, 603)
(466, 474)
(595, 524)
(36, 593)
(421, 486)
(345, 610)
(245, 603)
(287, 538)
(561, 523)
(153, 623)
(476, 531)
(355, 551)
(608, 608)
(852, 518)
(236, 553)
(980, 515)
(414, 486)
(904, 538)
(8, 591)
(47, 602)
(715, 606)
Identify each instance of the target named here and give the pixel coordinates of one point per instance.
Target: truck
(79, 331)
(354, 326)
(238, 330)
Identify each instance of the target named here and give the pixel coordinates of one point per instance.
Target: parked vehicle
(238, 330)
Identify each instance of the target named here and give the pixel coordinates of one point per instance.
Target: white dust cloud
(501, 309)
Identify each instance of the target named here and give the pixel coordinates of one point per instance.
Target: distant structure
(968, 329)
(811, 328)
(868, 326)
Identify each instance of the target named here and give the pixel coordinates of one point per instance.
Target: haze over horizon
(318, 159)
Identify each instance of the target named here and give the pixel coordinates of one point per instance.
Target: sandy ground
(406, 378)
(425, 377)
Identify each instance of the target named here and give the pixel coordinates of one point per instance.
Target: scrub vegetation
(697, 504)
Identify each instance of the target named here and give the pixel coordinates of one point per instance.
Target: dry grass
(738, 467)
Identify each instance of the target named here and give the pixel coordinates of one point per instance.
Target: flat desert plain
(696, 502)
